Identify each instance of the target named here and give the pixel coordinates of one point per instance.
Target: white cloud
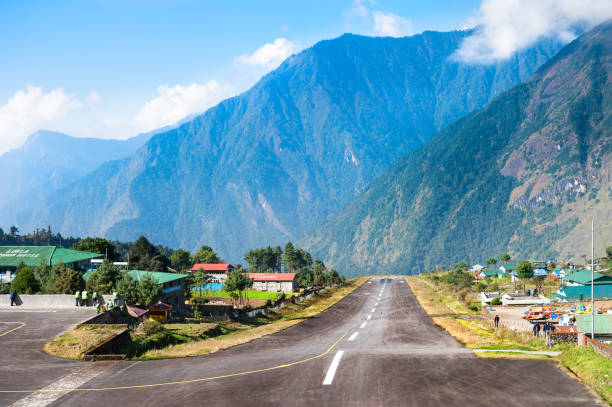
(391, 25)
(30, 110)
(175, 103)
(508, 26)
(269, 55)
(93, 98)
(380, 23)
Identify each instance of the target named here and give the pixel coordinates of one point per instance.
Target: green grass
(254, 295)
(595, 370)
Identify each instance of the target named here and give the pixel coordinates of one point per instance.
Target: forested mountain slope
(525, 174)
(268, 165)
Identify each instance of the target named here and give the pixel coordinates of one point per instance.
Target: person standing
(496, 320)
(77, 298)
(13, 295)
(94, 297)
(84, 298)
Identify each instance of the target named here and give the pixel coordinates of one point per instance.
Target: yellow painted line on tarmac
(203, 379)
(21, 325)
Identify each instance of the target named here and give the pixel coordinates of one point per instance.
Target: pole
(592, 277)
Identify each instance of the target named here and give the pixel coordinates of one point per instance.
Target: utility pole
(592, 277)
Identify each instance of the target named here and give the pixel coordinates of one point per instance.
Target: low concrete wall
(49, 300)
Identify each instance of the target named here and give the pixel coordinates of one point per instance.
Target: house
(508, 268)
(218, 272)
(540, 273)
(490, 273)
(583, 292)
(160, 311)
(514, 299)
(486, 297)
(12, 256)
(583, 277)
(476, 268)
(275, 282)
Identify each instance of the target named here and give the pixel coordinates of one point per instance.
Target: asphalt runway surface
(376, 347)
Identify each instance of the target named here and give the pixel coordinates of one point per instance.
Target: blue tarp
(539, 272)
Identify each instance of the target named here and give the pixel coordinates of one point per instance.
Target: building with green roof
(12, 256)
(173, 284)
(583, 277)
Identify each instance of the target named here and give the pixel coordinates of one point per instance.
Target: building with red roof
(276, 282)
(217, 271)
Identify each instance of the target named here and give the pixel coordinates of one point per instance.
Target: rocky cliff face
(266, 166)
(525, 175)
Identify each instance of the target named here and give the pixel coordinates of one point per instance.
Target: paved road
(23, 332)
(376, 347)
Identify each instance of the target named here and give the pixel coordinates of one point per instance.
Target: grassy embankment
(73, 344)
(591, 368)
(193, 339)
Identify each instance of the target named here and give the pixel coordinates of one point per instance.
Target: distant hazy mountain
(525, 175)
(268, 165)
(49, 161)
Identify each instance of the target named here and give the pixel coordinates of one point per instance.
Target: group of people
(82, 300)
(547, 329)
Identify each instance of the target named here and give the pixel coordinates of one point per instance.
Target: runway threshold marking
(329, 377)
(202, 379)
(353, 336)
(22, 324)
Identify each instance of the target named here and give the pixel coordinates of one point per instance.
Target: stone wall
(47, 301)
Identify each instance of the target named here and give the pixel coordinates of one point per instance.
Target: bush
(68, 282)
(461, 295)
(25, 282)
(474, 308)
(268, 303)
(152, 327)
(481, 286)
(496, 301)
(493, 287)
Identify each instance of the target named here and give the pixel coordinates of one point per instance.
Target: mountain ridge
(271, 163)
(520, 175)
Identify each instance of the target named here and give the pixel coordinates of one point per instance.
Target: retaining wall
(108, 348)
(599, 347)
(49, 300)
(114, 316)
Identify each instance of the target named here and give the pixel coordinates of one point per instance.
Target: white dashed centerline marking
(353, 336)
(329, 377)
(363, 325)
(376, 305)
(373, 309)
(369, 316)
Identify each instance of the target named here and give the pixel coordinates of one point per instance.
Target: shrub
(268, 303)
(462, 294)
(25, 282)
(152, 327)
(68, 282)
(481, 286)
(496, 301)
(474, 308)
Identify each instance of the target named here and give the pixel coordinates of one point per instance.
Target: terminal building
(12, 256)
(275, 282)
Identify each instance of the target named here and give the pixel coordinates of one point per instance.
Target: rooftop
(159, 277)
(271, 276)
(584, 277)
(212, 267)
(12, 256)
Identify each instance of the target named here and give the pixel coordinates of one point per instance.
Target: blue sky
(111, 68)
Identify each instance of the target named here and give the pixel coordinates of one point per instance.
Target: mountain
(49, 161)
(268, 165)
(525, 175)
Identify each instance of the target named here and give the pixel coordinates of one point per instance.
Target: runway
(376, 347)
